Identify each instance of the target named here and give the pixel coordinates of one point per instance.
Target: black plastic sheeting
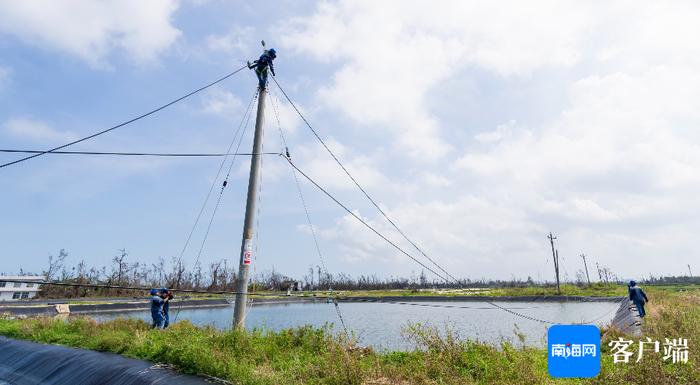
(29, 363)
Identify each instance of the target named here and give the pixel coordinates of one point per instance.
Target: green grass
(309, 355)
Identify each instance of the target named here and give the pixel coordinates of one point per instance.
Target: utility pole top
(555, 257)
(585, 266)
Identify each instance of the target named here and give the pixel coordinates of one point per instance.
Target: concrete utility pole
(247, 244)
(586, 267)
(555, 257)
(689, 271)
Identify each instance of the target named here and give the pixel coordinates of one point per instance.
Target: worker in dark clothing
(638, 297)
(157, 309)
(261, 66)
(166, 294)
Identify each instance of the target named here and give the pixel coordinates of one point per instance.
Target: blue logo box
(573, 351)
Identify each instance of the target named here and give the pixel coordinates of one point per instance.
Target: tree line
(221, 275)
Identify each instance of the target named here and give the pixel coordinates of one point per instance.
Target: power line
(122, 287)
(366, 194)
(216, 178)
(228, 173)
(383, 214)
(497, 307)
(155, 154)
(335, 299)
(126, 122)
(397, 247)
(308, 218)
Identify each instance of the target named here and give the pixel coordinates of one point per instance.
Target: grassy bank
(595, 290)
(313, 356)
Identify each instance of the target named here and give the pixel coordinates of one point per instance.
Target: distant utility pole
(555, 257)
(689, 271)
(247, 244)
(586, 267)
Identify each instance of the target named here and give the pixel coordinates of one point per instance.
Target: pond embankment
(29, 363)
(55, 307)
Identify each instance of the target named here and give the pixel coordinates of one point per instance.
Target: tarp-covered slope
(28, 363)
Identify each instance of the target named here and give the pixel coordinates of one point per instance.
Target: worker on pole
(262, 64)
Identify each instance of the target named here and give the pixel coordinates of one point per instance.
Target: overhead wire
(225, 182)
(318, 137)
(216, 179)
(352, 213)
(56, 151)
(509, 310)
(151, 112)
(155, 154)
(280, 295)
(357, 184)
(141, 288)
(329, 195)
(308, 216)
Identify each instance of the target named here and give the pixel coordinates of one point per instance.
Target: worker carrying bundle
(638, 297)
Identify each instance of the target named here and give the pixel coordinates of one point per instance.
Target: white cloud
(236, 41)
(319, 165)
(36, 131)
(92, 30)
(392, 53)
(219, 101)
(613, 172)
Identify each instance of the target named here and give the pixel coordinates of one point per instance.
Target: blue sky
(479, 129)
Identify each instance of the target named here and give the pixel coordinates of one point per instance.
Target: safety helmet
(164, 290)
(632, 283)
(154, 291)
(272, 52)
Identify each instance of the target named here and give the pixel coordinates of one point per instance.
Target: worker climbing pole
(261, 67)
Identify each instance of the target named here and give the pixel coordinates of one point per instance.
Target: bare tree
(56, 264)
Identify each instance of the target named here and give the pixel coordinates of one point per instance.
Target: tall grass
(308, 355)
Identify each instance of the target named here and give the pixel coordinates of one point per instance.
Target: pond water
(380, 325)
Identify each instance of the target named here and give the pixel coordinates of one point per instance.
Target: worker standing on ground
(157, 309)
(167, 295)
(638, 297)
(261, 66)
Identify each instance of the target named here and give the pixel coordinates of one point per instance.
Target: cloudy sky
(478, 126)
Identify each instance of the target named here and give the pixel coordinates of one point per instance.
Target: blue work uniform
(638, 297)
(261, 66)
(166, 314)
(157, 312)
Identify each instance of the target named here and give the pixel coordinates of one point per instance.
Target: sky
(478, 126)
